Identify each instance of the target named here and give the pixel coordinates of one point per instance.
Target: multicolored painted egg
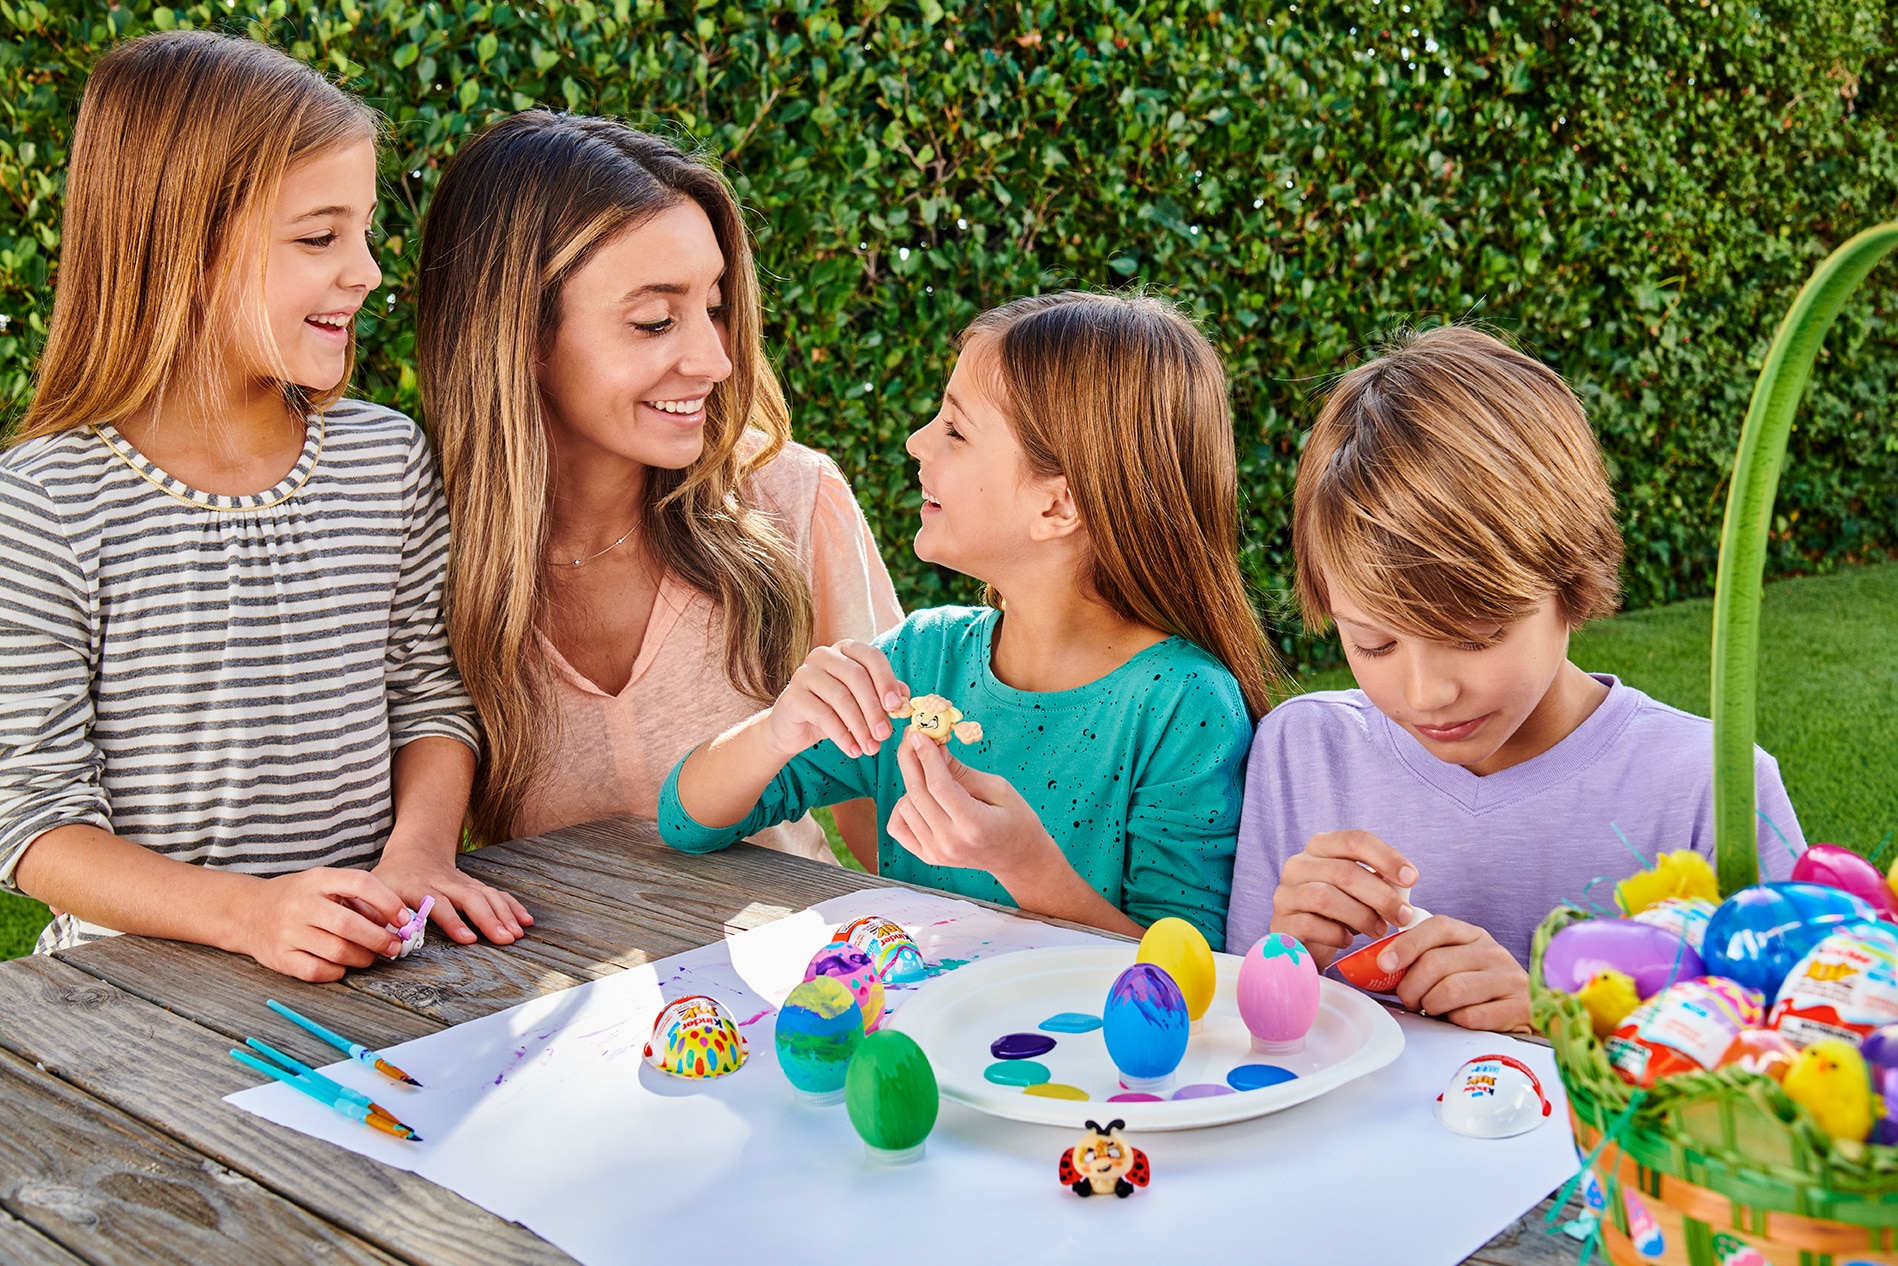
(1654, 957)
(696, 1037)
(1838, 867)
(852, 968)
(890, 1093)
(1642, 1228)
(1758, 933)
(820, 1026)
(1278, 993)
(1146, 1026)
(1493, 1097)
(897, 959)
(1178, 948)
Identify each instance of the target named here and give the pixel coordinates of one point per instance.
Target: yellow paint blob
(1055, 1090)
(1177, 948)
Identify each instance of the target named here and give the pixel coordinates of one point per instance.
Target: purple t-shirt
(1502, 850)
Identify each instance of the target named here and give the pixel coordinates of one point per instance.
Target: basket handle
(1736, 611)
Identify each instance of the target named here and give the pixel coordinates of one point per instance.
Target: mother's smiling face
(641, 341)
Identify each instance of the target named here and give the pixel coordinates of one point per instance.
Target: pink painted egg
(852, 968)
(1278, 993)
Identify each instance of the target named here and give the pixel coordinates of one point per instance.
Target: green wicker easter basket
(1721, 1168)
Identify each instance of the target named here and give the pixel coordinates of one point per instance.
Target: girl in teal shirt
(1082, 467)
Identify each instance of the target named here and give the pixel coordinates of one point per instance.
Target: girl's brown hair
(517, 212)
(1452, 485)
(1126, 399)
(182, 141)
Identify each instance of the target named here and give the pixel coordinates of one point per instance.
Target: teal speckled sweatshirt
(1137, 776)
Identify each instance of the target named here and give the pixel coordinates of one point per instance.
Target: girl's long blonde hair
(517, 212)
(1127, 400)
(182, 141)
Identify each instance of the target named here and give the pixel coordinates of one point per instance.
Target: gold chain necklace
(590, 557)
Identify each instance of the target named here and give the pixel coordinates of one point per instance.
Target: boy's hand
(951, 815)
(1327, 896)
(457, 896)
(1457, 971)
(303, 925)
(844, 693)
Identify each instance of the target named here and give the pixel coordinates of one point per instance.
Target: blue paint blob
(1071, 1022)
(1258, 1076)
(1017, 1072)
(1021, 1045)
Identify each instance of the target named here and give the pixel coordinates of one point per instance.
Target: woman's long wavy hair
(181, 144)
(519, 210)
(1125, 398)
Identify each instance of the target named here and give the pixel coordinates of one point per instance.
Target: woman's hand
(457, 897)
(1456, 970)
(844, 693)
(1343, 884)
(313, 925)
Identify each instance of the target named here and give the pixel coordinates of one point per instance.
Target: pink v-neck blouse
(614, 751)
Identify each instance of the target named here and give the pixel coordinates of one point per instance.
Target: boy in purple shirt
(1453, 517)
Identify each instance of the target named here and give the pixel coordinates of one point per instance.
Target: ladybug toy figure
(1102, 1163)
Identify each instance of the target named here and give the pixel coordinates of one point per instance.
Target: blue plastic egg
(1759, 933)
(1146, 1025)
(820, 1026)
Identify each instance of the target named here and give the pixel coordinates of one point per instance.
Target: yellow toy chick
(936, 717)
(1610, 997)
(1830, 1080)
(1682, 873)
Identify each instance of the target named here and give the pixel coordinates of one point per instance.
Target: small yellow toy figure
(1830, 1080)
(1610, 998)
(936, 717)
(1682, 873)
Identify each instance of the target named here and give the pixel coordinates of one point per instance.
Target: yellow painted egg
(1177, 948)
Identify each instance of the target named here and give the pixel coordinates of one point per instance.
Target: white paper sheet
(546, 1114)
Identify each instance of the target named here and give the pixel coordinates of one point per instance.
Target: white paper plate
(955, 1017)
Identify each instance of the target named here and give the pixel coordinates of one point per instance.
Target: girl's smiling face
(983, 509)
(1485, 704)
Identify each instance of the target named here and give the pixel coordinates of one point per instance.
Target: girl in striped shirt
(224, 681)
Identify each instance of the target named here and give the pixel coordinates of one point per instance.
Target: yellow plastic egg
(1177, 948)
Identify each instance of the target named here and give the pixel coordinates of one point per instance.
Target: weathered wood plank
(1526, 1243)
(115, 1191)
(21, 1245)
(456, 983)
(226, 992)
(172, 1074)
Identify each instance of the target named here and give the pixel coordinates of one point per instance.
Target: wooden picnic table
(116, 1144)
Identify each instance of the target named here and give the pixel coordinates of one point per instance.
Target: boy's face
(1466, 702)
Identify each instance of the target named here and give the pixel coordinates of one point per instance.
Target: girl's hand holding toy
(460, 899)
(1337, 888)
(1457, 971)
(311, 924)
(843, 693)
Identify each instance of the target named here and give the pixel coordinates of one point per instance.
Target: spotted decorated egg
(696, 1037)
(852, 968)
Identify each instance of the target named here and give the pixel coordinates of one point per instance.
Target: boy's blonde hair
(1125, 398)
(1450, 485)
(181, 143)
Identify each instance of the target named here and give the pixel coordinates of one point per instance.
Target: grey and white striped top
(221, 679)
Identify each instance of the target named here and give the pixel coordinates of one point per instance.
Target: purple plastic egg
(1278, 993)
(1841, 868)
(1653, 956)
(1880, 1049)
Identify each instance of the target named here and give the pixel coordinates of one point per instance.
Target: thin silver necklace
(608, 550)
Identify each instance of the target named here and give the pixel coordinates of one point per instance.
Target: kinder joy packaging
(1845, 987)
(1685, 917)
(1684, 1028)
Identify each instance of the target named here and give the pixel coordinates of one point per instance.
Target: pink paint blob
(1134, 1096)
(1278, 993)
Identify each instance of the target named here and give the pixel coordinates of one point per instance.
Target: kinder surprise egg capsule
(1685, 917)
(1176, 947)
(1146, 1026)
(1758, 933)
(897, 959)
(890, 1093)
(696, 1037)
(1278, 993)
(852, 968)
(820, 1026)
(1493, 1097)
(1682, 1028)
(1651, 956)
(1762, 1051)
(1841, 868)
(1846, 987)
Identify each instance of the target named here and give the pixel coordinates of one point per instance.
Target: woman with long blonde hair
(641, 555)
(1082, 467)
(223, 673)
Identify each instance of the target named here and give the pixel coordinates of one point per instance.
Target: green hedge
(1634, 190)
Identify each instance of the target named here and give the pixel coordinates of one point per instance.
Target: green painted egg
(890, 1093)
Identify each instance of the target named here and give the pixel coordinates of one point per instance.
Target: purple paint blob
(1134, 1096)
(1201, 1090)
(1071, 1022)
(1258, 1076)
(1021, 1045)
